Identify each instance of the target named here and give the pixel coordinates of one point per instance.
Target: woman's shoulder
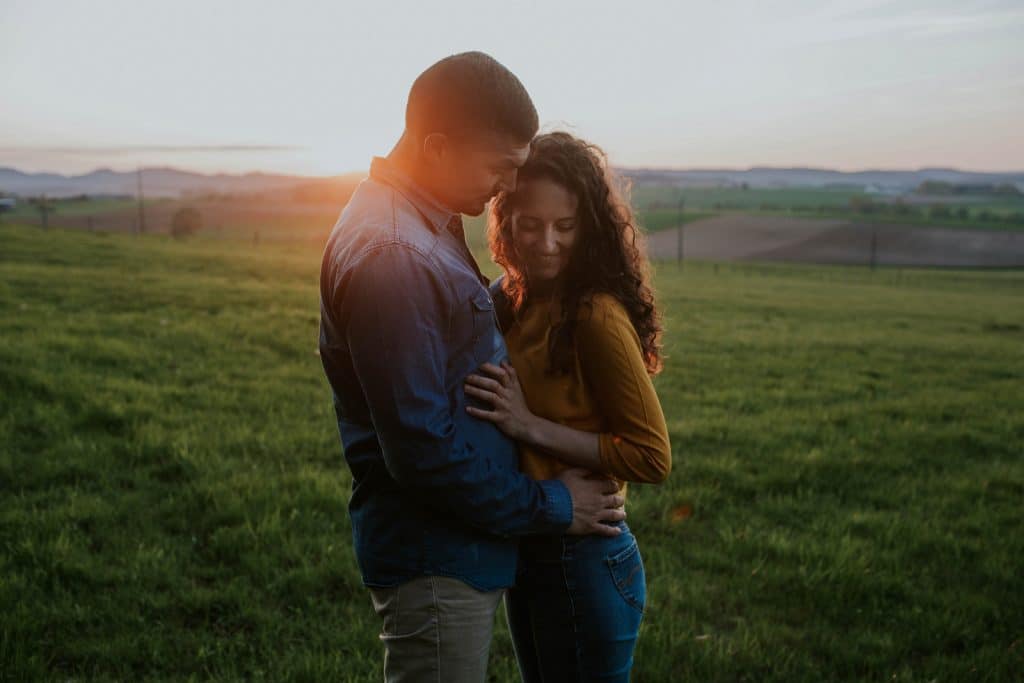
(601, 308)
(605, 336)
(602, 320)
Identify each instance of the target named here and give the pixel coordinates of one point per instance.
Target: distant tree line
(943, 189)
(939, 212)
(862, 205)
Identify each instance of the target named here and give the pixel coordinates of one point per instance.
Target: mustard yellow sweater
(607, 391)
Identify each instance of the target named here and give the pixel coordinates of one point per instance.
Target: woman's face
(544, 229)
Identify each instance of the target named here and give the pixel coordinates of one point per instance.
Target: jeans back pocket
(627, 570)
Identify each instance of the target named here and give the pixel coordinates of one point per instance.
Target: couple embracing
(491, 428)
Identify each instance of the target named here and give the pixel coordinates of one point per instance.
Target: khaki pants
(436, 629)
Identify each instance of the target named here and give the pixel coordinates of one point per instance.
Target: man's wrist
(558, 510)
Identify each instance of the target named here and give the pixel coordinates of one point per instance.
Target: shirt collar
(436, 213)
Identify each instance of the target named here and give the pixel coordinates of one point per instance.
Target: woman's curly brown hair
(609, 255)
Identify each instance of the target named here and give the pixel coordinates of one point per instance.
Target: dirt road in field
(746, 237)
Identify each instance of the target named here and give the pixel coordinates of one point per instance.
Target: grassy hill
(845, 502)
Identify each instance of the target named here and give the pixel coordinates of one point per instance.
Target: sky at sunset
(319, 87)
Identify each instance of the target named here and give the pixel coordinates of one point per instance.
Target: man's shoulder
(495, 286)
(378, 217)
(502, 304)
(379, 204)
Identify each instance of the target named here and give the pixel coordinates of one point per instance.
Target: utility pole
(874, 247)
(44, 206)
(679, 234)
(142, 211)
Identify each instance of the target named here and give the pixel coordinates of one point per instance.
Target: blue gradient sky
(319, 87)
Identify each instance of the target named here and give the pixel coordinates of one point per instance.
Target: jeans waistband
(552, 547)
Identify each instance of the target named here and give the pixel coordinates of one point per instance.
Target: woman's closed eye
(532, 224)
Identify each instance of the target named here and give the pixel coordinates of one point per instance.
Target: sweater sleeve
(637, 446)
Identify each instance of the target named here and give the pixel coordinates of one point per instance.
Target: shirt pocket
(475, 336)
(487, 343)
(478, 341)
(482, 312)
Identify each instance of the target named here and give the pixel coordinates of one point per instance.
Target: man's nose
(507, 182)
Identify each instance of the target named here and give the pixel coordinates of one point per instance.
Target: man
(437, 500)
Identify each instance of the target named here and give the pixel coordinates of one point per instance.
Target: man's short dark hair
(470, 93)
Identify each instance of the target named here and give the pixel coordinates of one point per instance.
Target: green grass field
(657, 206)
(845, 502)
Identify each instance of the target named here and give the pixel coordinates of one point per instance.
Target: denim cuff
(558, 511)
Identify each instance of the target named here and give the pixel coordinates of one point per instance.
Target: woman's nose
(550, 241)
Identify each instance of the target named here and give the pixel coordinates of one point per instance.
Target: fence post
(679, 235)
(141, 225)
(874, 247)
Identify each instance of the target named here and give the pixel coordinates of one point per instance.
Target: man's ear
(435, 148)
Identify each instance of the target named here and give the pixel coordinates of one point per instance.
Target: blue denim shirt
(405, 316)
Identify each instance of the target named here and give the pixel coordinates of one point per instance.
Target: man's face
(469, 171)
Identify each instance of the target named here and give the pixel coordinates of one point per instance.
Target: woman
(579, 320)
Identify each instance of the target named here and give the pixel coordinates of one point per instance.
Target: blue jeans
(575, 610)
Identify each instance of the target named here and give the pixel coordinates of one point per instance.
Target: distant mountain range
(156, 182)
(170, 182)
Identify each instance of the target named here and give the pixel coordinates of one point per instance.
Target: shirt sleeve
(636, 447)
(398, 309)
